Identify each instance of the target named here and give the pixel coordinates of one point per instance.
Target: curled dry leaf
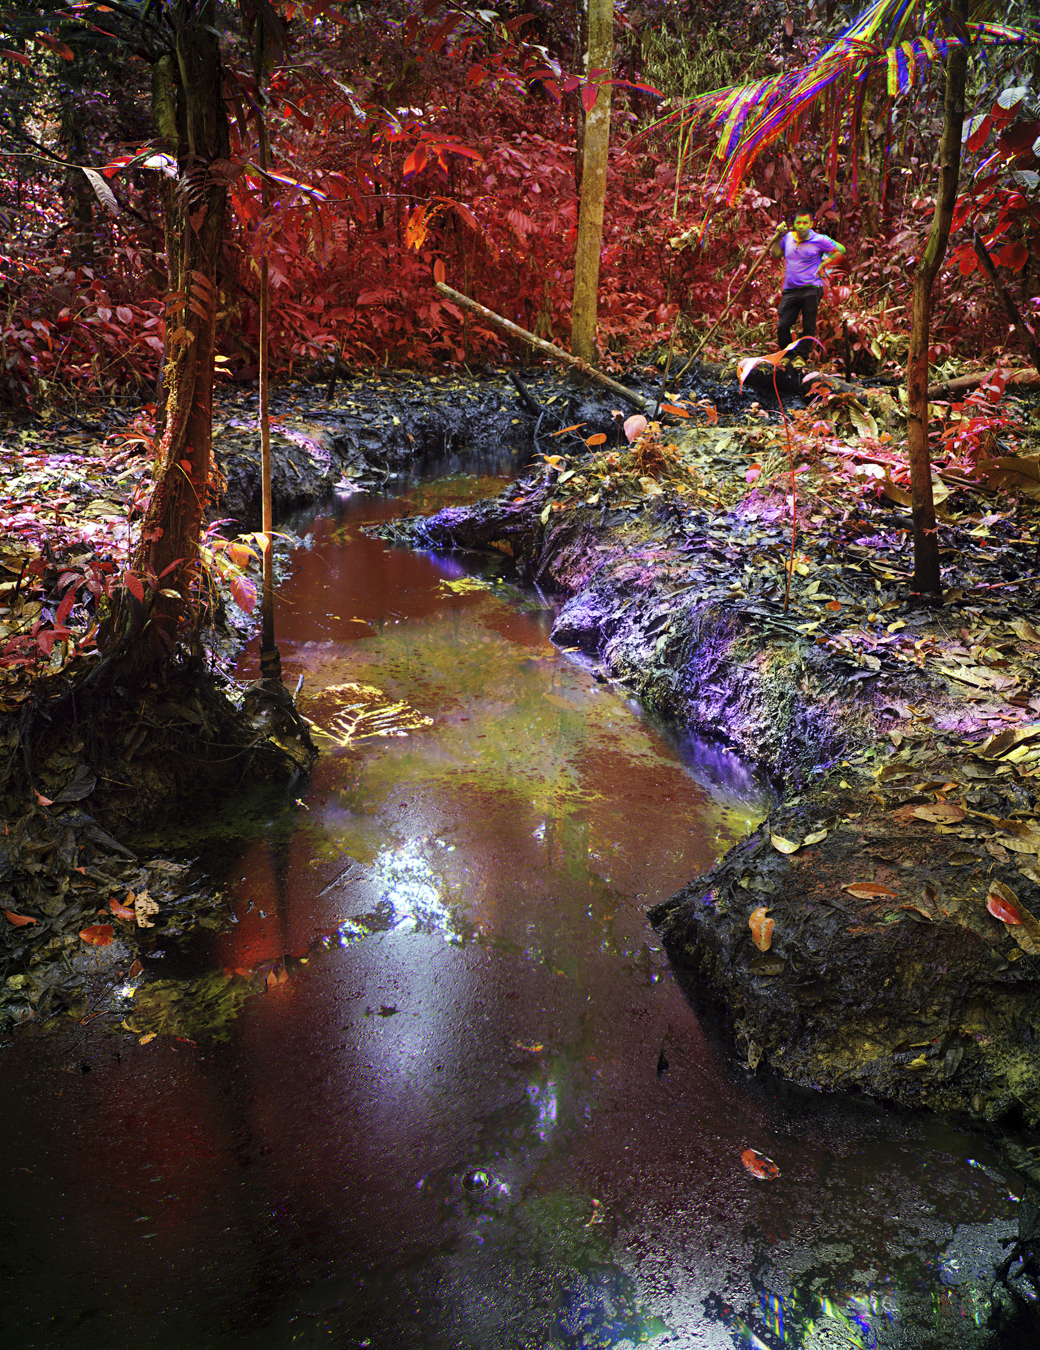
(783, 845)
(995, 746)
(761, 928)
(761, 1167)
(19, 920)
(100, 935)
(120, 911)
(817, 837)
(869, 890)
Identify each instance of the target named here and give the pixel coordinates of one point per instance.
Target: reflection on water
(460, 1101)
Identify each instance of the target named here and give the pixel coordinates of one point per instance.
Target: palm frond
(897, 40)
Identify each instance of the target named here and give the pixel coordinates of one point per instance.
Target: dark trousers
(803, 300)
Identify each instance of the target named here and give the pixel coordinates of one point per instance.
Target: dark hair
(803, 211)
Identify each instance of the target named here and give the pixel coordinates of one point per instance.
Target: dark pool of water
(455, 1098)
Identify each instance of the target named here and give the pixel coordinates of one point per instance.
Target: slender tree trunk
(190, 112)
(593, 184)
(926, 540)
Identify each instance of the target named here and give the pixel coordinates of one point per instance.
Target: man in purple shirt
(802, 250)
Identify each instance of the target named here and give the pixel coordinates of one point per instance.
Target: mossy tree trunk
(159, 604)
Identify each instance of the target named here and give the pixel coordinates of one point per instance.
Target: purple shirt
(802, 261)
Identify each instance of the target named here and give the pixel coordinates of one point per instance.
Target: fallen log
(645, 405)
(963, 384)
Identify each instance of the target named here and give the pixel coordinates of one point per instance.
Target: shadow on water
(433, 1084)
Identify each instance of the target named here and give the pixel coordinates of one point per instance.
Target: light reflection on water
(478, 1112)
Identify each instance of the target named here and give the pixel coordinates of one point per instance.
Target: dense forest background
(402, 136)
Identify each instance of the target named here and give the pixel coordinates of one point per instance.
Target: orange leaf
(99, 936)
(765, 1169)
(44, 801)
(438, 270)
(120, 911)
(866, 890)
(1001, 909)
(676, 412)
(761, 928)
(597, 439)
(19, 920)
(833, 606)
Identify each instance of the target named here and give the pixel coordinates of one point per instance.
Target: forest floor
(864, 938)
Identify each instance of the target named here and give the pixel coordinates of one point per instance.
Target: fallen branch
(645, 405)
(963, 384)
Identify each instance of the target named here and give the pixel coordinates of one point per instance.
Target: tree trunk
(926, 540)
(192, 120)
(593, 183)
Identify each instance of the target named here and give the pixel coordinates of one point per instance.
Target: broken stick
(645, 405)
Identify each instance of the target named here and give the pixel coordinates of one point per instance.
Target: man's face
(802, 226)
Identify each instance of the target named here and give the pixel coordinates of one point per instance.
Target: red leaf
(134, 585)
(415, 163)
(589, 94)
(978, 129)
(16, 56)
(1000, 909)
(44, 801)
(120, 911)
(597, 439)
(765, 1169)
(99, 936)
(19, 920)
(438, 270)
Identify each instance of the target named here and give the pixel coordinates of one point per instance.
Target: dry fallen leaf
(761, 1167)
(942, 813)
(995, 746)
(19, 920)
(761, 928)
(869, 890)
(816, 837)
(100, 935)
(1004, 904)
(144, 905)
(120, 911)
(783, 845)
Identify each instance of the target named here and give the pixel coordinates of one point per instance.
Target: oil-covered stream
(461, 1101)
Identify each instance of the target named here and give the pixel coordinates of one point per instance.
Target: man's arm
(838, 251)
(776, 248)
